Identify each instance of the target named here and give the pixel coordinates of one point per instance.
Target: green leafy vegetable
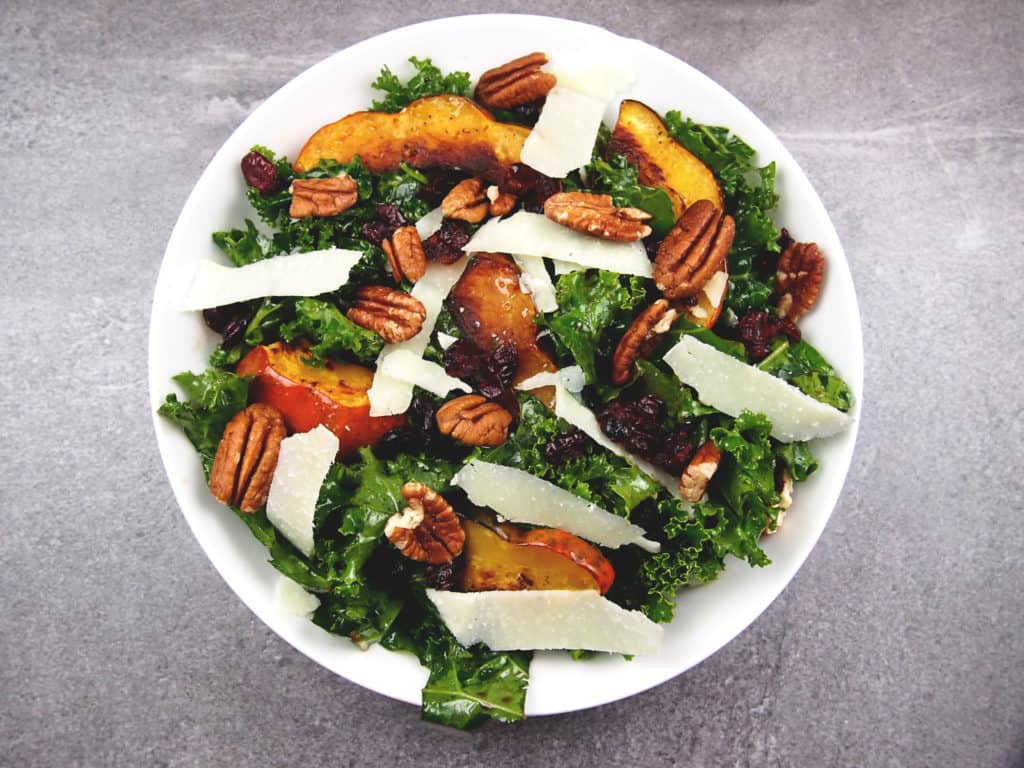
(620, 179)
(597, 476)
(680, 401)
(797, 459)
(213, 398)
(804, 367)
(746, 479)
(749, 197)
(594, 309)
(334, 334)
(244, 247)
(428, 80)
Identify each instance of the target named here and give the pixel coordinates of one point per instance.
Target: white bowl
(708, 617)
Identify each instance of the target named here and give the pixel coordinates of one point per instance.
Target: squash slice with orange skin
(436, 131)
(334, 395)
(642, 137)
(506, 558)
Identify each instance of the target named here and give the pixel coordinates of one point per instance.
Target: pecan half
(394, 315)
(784, 486)
(597, 215)
(649, 324)
(427, 530)
(246, 457)
(798, 280)
(693, 250)
(698, 473)
(474, 420)
(322, 197)
(516, 83)
(500, 202)
(467, 202)
(405, 253)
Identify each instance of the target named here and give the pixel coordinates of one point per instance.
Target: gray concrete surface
(900, 643)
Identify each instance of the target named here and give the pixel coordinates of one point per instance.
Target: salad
(495, 377)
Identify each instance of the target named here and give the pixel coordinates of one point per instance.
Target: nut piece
(405, 253)
(474, 420)
(698, 473)
(322, 197)
(649, 324)
(514, 84)
(501, 202)
(246, 457)
(596, 215)
(784, 485)
(394, 315)
(467, 202)
(798, 279)
(427, 530)
(693, 250)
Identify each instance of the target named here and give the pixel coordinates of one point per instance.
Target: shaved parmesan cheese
(301, 468)
(601, 82)
(389, 396)
(534, 234)
(430, 223)
(445, 340)
(564, 136)
(714, 288)
(293, 599)
(405, 365)
(571, 378)
(297, 274)
(564, 267)
(522, 498)
(545, 619)
(573, 411)
(732, 386)
(536, 281)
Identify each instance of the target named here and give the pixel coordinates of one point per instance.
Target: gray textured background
(900, 643)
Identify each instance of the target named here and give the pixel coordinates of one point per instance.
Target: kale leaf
(804, 367)
(598, 476)
(428, 80)
(750, 197)
(594, 309)
(335, 336)
(619, 178)
(213, 398)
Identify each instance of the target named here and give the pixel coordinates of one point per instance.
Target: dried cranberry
(785, 239)
(462, 359)
(439, 185)
(676, 451)
(230, 320)
(389, 218)
(420, 421)
(259, 173)
(492, 372)
(564, 448)
(442, 575)
(531, 187)
(635, 424)
(393, 442)
(757, 329)
(445, 245)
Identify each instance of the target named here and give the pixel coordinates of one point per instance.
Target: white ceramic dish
(709, 616)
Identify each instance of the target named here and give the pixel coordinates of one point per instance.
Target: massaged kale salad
(585, 372)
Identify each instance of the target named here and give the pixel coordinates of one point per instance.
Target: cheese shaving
(533, 234)
(406, 366)
(546, 619)
(297, 274)
(731, 386)
(536, 281)
(523, 498)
